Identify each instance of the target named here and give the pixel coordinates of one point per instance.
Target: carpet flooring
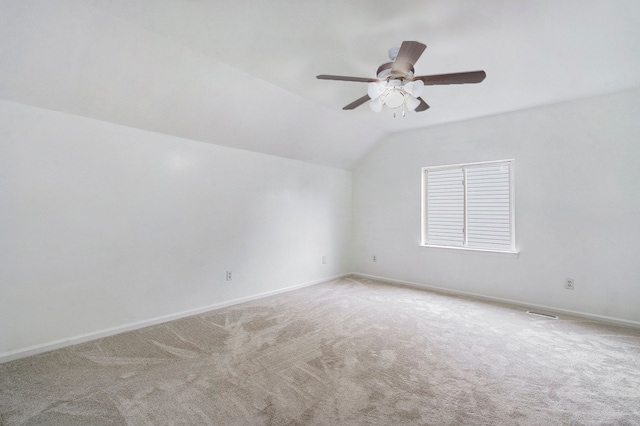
(347, 352)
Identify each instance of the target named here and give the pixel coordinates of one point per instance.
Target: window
(469, 206)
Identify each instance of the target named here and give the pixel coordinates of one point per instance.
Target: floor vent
(542, 315)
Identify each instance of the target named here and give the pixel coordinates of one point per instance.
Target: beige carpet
(351, 351)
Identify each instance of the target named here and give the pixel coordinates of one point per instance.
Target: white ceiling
(242, 73)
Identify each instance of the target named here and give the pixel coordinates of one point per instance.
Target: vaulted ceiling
(242, 73)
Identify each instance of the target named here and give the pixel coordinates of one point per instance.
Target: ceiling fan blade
(343, 78)
(455, 78)
(422, 107)
(408, 55)
(358, 102)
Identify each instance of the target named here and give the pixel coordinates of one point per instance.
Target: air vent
(540, 314)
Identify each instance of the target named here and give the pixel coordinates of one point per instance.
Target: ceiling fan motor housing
(384, 72)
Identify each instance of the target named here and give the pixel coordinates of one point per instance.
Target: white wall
(104, 226)
(577, 178)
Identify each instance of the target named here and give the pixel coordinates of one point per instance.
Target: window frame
(462, 166)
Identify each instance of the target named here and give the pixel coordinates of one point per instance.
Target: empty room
(332, 212)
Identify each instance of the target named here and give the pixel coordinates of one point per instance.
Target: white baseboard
(593, 317)
(74, 340)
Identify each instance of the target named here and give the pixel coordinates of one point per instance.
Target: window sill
(476, 250)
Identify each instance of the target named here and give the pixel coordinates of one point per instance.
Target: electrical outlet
(569, 284)
(229, 277)
(375, 258)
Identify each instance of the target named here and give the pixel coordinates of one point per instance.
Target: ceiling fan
(396, 86)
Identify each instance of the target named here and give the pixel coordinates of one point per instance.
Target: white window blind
(446, 207)
(488, 206)
(470, 205)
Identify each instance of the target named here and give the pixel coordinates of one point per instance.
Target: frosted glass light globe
(394, 99)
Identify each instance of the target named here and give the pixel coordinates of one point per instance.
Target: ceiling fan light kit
(396, 86)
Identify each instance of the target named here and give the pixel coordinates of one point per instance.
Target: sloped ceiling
(242, 73)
